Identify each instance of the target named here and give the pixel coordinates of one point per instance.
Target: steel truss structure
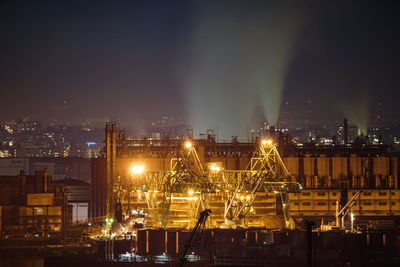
(188, 180)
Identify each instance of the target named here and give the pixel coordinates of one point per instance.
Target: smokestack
(346, 131)
(45, 177)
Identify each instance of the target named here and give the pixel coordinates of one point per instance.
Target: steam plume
(238, 58)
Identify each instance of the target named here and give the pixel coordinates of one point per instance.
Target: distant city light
(90, 143)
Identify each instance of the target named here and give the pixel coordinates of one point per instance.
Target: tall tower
(111, 154)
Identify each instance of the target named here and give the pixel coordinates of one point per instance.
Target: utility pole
(309, 227)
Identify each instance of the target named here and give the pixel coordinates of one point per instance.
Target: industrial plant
(157, 189)
(267, 183)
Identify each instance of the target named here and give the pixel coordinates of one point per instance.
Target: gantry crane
(266, 172)
(186, 175)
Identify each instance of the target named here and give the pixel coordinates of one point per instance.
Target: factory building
(78, 198)
(32, 204)
(327, 175)
(58, 168)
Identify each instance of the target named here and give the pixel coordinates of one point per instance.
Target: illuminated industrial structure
(244, 183)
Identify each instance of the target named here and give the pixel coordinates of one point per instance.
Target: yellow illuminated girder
(266, 172)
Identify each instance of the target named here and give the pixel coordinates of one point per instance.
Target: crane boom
(195, 235)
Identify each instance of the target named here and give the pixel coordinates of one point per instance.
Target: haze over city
(224, 65)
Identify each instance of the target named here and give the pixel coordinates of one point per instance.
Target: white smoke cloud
(238, 59)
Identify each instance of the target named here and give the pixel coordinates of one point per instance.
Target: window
(321, 194)
(382, 193)
(306, 193)
(321, 204)
(39, 211)
(382, 203)
(306, 203)
(367, 193)
(392, 193)
(296, 203)
(334, 194)
(367, 204)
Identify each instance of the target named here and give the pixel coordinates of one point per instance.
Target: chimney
(346, 131)
(45, 180)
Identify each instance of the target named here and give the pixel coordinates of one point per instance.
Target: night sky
(220, 63)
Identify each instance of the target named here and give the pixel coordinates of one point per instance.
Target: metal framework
(188, 180)
(340, 214)
(195, 236)
(267, 173)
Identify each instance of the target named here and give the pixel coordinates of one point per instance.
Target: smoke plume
(238, 58)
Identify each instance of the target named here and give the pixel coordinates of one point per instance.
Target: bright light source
(247, 197)
(215, 168)
(191, 192)
(137, 169)
(352, 216)
(188, 144)
(266, 142)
